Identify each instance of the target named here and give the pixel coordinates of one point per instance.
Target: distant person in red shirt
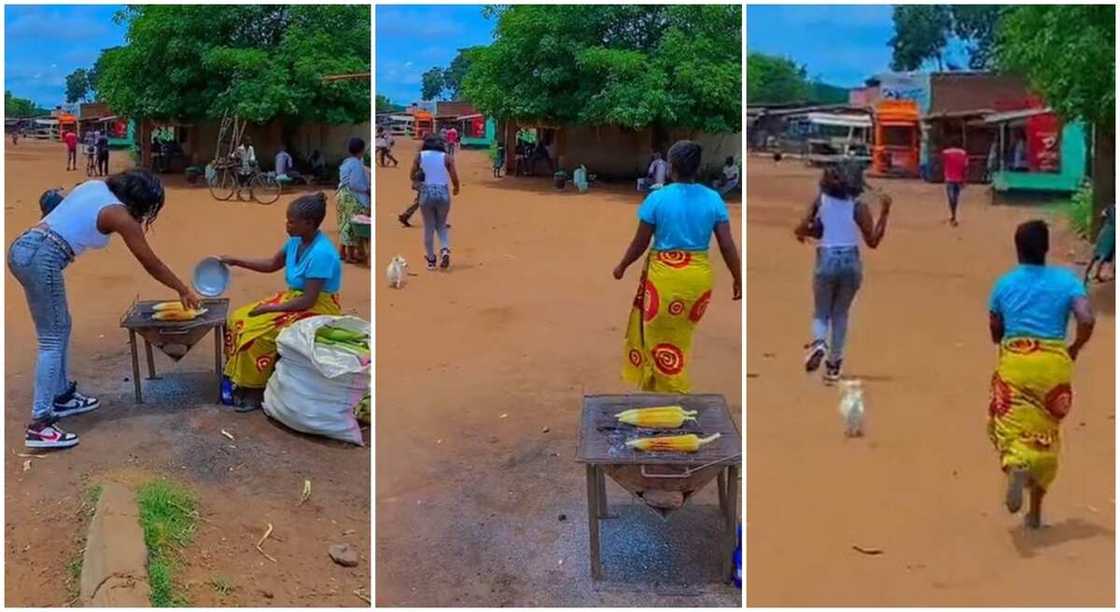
(71, 140)
(452, 141)
(955, 161)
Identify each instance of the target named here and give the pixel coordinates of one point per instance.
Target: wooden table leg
(721, 488)
(731, 519)
(593, 520)
(135, 366)
(602, 493)
(151, 360)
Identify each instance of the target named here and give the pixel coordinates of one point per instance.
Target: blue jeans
(953, 190)
(836, 279)
(435, 204)
(37, 259)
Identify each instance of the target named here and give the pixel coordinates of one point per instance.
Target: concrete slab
(115, 564)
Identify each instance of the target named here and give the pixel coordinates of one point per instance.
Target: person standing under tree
(955, 161)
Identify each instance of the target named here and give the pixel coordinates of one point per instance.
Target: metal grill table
(602, 449)
(173, 338)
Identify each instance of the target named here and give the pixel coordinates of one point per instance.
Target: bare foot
(1032, 520)
(1016, 482)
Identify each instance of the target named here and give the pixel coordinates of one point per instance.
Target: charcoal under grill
(663, 481)
(173, 338)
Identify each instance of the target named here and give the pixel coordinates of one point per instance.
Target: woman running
(125, 204)
(436, 169)
(676, 282)
(837, 218)
(1029, 309)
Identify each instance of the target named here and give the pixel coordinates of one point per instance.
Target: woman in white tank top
(124, 204)
(435, 170)
(838, 219)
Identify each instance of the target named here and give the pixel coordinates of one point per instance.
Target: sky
(43, 44)
(412, 39)
(842, 45)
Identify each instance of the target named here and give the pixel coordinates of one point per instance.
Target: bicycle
(226, 181)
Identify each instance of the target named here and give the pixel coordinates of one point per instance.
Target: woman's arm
(116, 219)
(995, 326)
(264, 266)
(450, 163)
(414, 174)
(873, 231)
(311, 289)
(1086, 320)
(804, 228)
(730, 257)
(637, 246)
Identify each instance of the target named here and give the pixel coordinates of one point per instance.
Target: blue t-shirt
(319, 261)
(1036, 301)
(683, 216)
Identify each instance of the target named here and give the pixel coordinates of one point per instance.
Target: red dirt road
(241, 485)
(480, 376)
(924, 485)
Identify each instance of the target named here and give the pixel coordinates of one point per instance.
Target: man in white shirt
(655, 176)
(730, 179)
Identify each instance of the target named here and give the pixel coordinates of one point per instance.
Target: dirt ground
(241, 485)
(479, 384)
(924, 485)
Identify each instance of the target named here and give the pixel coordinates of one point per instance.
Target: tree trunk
(1104, 173)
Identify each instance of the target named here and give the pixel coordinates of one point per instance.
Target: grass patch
(167, 515)
(1078, 212)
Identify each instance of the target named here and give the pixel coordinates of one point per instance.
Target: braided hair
(311, 207)
(684, 157)
(141, 193)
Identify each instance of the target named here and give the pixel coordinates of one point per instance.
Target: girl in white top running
(838, 219)
(436, 169)
(124, 204)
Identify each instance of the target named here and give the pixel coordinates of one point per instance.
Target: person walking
(436, 170)
(837, 218)
(102, 144)
(71, 140)
(955, 162)
(125, 204)
(676, 282)
(1028, 312)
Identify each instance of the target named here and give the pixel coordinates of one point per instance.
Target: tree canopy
(431, 84)
(923, 33)
(384, 105)
(627, 65)
(1067, 55)
(80, 85)
(21, 108)
(259, 62)
(779, 80)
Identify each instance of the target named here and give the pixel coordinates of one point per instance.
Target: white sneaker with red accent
(45, 434)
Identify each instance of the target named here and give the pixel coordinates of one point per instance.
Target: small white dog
(397, 272)
(851, 407)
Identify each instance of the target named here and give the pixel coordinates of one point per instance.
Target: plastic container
(211, 277)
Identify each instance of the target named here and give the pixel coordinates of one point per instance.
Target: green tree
(775, 80)
(260, 62)
(631, 66)
(21, 108)
(1067, 55)
(385, 105)
(923, 32)
(453, 75)
(79, 87)
(431, 84)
